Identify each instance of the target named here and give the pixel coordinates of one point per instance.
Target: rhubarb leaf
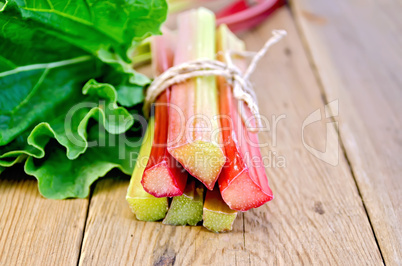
(50, 49)
(126, 79)
(60, 178)
(94, 25)
(68, 123)
(27, 42)
(42, 60)
(29, 95)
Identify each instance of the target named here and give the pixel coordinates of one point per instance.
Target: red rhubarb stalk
(243, 185)
(241, 16)
(193, 125)
(163, 176)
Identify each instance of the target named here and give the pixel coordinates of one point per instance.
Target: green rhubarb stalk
(145, 206)
(217, 215)
(176, 6)
(186, 209)
(142, 53)
(194, 134)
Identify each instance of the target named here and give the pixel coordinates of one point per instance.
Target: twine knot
(242, 87)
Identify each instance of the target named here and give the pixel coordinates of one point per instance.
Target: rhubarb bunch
(196, 132)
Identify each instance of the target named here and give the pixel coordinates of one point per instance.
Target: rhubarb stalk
(145, 206)
(194, 134)
(217, 216)
(163, 176)
(240, 15)
(242, 184)
(186, 209)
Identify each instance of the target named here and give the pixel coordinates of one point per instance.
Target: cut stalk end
(217, 216)
(203, 160)
(186, 209)
(161, 182)
(243, 193)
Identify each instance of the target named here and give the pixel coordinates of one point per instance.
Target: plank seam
(360, 195)
(325, 100)
(85, 225)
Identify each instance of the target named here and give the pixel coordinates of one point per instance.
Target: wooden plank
(35, 230)
(317, 216)
(356, 48)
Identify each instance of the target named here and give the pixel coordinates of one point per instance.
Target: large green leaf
(49, 50)
(41, 44)
(68, 170)
(38, 40)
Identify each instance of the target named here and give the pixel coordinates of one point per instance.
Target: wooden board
(113, 236)
(356, 49)
(34, 230)
(317, 216)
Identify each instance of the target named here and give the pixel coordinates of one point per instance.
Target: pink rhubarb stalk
(193, 124)
(163, 176)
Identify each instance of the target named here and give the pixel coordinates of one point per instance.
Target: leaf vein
(47, 65)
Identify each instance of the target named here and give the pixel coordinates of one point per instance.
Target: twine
(242, 87)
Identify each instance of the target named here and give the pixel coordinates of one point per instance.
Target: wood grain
(35, 230)
(317, 216)
(356, 50)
